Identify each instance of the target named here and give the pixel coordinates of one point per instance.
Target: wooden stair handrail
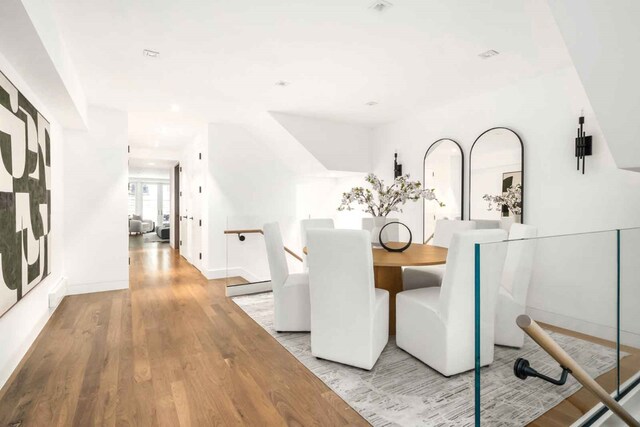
(245, 231)
(531, 328)
(258, 231)
(429, 238)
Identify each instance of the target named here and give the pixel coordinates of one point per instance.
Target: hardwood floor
(171, 351)
(174, 351)
(579, 403)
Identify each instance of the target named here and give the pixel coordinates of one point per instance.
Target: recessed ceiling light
(282, 83)
(151, 164)
(150, 53)
(371, 103)
(175, 108)
(489, 54)
(380, 5)
(156, 143)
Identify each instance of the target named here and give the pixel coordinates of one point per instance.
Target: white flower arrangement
(386, 199)
(512, 199)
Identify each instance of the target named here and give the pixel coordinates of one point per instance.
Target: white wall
(249, 185)
(140, 174)
(602, 38)
(558, 199)
(95, 203)
(30, 39)
(338, 146)
(246, 184)
(544, 112)
(22, 323)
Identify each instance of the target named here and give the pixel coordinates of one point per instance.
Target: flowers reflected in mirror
(510, 199)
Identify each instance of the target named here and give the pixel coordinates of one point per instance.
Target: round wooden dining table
(387, 269)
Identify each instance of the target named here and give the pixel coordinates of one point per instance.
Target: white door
(195, 215)
(184, 214)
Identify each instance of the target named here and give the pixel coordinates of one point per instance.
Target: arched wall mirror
(443, 170)
(496, 177)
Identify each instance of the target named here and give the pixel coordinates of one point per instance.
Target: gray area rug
(402, 391)
(153, 238)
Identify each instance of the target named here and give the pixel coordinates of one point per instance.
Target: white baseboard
(249, 288)
(230, 272)
(57, 292)
(6, 370)
(86, 288)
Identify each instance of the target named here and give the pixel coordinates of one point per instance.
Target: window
(150, 201)
(132, 199)
(166, 202)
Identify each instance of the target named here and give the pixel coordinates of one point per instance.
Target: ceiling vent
(150, 53)
(488, 54)
(282, 83)
(371, 103)
(380, 5)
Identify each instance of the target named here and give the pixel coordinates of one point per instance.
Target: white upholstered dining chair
(424, 277)
(512, 298)
(437, 324)
(290, 291)
(349, 317)
(310, 224)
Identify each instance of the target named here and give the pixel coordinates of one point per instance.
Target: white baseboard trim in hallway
(87, 288)
(249, 288)
(230, 272)
(58, 292)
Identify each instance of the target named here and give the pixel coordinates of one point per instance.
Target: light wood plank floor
(174, 351)
(171, 351)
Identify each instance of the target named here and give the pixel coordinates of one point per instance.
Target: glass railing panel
(629, 309)
(246, 257)
(572, 295)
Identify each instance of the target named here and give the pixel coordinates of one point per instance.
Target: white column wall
(96, 227)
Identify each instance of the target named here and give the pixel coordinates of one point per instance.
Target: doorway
(176, 207)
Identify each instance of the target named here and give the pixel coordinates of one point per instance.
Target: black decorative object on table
(584, 145)
(402, 249)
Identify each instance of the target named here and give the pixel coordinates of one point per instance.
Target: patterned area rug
(402, 391)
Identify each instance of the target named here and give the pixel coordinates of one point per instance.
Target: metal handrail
(258, 231)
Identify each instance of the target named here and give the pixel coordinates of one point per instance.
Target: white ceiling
(219, 59)
(154, 164)
(166, 130)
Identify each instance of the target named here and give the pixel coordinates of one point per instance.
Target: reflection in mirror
(442, 170)
(496, 177)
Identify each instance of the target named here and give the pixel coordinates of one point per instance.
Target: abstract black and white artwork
(25, 196)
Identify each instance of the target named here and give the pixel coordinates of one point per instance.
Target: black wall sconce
(397, 167)
(583, 145)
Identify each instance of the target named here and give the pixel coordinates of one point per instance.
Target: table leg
(390, 279)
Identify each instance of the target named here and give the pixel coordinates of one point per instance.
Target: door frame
(176, 206)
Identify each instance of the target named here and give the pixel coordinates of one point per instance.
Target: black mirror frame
(424, 183)
(521, 164)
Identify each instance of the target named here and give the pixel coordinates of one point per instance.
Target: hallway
(172, 350)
